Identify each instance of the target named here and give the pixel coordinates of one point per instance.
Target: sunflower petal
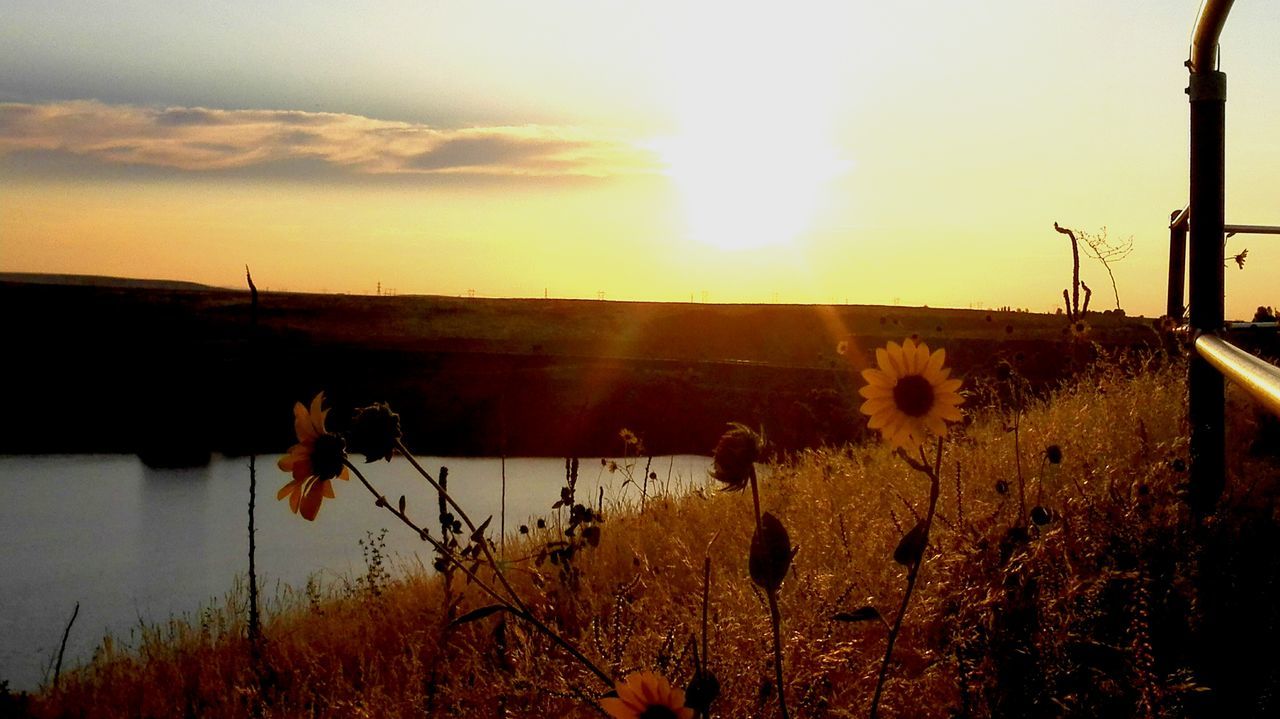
(286, 489)
(889, 425)
(876, 405)
(879, 420)
(936, 360)
(898, 362)
(949, 413)
(950, 398)
(311, 499)
(617, 708)
(872, 391)
(947, 386)
(302, 469)
(935, 424)
(921, 358)
(317, 413)
(885, 364)
(302, 424)
(878, 378)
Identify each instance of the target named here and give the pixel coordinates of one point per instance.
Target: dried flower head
(317, 458)
(375, 431)
(735, 455)
(645, 695)
(910, 394)
(1053, 453)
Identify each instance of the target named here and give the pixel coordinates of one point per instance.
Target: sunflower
(645, 695)
(1078, 330)
(910, 394)
(318, 457)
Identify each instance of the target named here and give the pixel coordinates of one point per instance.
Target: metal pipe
(1179, 218)
(1260, 379)
(1177, 265)
(1204, 41)
(1207, 90)
(1251, 229)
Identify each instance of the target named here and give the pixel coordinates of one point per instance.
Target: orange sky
(806, 152)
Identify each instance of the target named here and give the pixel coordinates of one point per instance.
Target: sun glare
(753, 155)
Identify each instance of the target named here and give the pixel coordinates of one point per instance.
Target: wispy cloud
(202, 140)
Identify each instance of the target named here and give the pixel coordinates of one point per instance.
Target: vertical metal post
(1177, 266)
(1208, 92)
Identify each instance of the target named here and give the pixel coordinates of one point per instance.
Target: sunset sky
(912, 152)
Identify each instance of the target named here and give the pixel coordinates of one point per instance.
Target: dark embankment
(173, 373)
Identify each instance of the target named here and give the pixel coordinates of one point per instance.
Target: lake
(137, 546)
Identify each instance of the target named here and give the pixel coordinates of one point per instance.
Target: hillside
(185, 371)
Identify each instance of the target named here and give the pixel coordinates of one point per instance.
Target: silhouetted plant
(771, 552)
(319, 456)
(1074, 310)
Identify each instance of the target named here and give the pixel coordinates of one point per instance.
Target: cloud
(202, 140)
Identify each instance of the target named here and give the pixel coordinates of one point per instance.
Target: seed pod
(1053, 453)
(1041, 516)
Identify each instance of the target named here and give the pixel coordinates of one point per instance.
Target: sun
(743, 186)
(753, 156)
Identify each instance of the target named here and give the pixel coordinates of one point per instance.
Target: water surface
(136, 546)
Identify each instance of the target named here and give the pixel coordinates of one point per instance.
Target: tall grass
(1094, 612)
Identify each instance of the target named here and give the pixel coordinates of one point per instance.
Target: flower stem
(775, 615)
(935, 484)
(466, 519)
(513, 605)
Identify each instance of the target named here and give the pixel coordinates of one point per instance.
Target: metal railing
(1260, 379)
(1215, 358)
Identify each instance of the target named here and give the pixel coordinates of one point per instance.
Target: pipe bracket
(1208, 86)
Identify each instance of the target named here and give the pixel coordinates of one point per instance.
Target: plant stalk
(935, 485)
(516, 607)
(775, 615)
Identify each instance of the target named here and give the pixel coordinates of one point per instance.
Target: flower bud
(374, 432)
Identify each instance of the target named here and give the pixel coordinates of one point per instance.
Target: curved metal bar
(1260, 379)
(1204, 41)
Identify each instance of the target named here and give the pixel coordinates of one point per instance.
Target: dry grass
(1094, 613)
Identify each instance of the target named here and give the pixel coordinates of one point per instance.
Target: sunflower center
(327, 455)
(913, 395)
(657, 712)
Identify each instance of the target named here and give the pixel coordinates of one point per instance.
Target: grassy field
(477, 376)
(1078, 588)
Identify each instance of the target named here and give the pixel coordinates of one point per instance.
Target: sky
(913, 153)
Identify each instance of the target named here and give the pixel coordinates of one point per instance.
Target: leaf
(861, 614)
(911, 548)
(476, 614)
(592, 535)
(771, 553)
(478, 535)
(402, 504)
(702, 691)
